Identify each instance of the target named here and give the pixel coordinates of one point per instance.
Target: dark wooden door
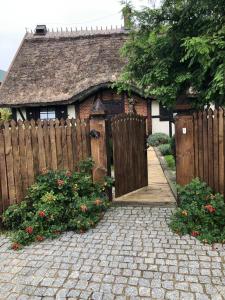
(129, 153)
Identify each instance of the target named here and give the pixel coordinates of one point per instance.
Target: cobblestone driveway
(131, 254)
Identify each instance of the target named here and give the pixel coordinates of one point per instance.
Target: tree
(175, 49)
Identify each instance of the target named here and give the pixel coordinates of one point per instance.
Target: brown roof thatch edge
(77, 98)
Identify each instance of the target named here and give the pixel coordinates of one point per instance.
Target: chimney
(40, 30)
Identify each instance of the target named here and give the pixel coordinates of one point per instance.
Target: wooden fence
(200, 148)
(26, 148)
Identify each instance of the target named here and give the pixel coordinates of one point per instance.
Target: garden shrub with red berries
(200, 214)
(58, 201)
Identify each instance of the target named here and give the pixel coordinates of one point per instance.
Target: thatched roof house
(61, 74)
(62, 67)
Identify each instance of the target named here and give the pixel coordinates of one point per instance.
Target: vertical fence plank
(69, 144)
(3, 172)
(34, 141)
(46, 134)
(200, 143)
(16, 162)
(210, 148)
(53, 147)
(29, 156)
(216, 150)
(9, 163)
(64, 145)
(196, 140)
(23, 153)
(79, 140)
(58, 135)
(205, 148)
(221, 151)
(41, 147)
(74, 143)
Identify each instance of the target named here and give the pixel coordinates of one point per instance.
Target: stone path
(131, 254)
(157, 192)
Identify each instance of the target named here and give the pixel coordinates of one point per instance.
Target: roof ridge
(80, 29)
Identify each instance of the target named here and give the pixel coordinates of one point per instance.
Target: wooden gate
(129, 153)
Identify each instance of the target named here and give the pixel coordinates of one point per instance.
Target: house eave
(77, 98)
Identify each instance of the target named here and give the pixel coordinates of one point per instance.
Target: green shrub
(157, 139)
(5, 114)
(201, 213)
(58, 201)
(165, 149)
(170, 161)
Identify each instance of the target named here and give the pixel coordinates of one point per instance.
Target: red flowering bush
(200, 214)
(58, 201)
(41, 214)
(210, 208)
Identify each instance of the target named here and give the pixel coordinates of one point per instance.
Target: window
(47, 113)
(165, 113)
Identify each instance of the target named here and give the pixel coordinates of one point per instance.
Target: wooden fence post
(185, 164)
(98, 135)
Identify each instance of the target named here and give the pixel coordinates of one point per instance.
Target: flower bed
(58, 201)
(201, 213)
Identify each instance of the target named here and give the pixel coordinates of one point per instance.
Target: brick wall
(86, 105)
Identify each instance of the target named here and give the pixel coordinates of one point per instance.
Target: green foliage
(58, 201)
(157, 139)
(5, 114)
(127, 13)
(165, 149)
(170, 161)
(177, 48)
(201, 213)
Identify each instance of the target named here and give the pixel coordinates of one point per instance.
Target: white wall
(71, 111)
(23, 110)
(157, 125)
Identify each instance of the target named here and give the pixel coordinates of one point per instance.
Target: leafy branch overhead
(177, 50)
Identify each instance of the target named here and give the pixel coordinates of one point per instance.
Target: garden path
(157, 193)
(130, 255)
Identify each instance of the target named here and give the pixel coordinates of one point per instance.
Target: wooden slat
(74, 143)
(58, 134)
(9, 163)
(53, 147)
(69, 144)
(196, 141)
(79, 140)
(34, 141)
(3, 173)
(216, 151)
(46, 135)
(41, 147)
(200, 146)
(23, 159)
(221, 151)
(16, 162)
(64, 145)
(29, 156)
(210, 149)
(205, 148)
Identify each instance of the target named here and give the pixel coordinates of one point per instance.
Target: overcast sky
(16, 15)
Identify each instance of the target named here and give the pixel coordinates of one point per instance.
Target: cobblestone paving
(131, 254)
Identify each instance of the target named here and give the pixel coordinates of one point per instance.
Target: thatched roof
(62, 67)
